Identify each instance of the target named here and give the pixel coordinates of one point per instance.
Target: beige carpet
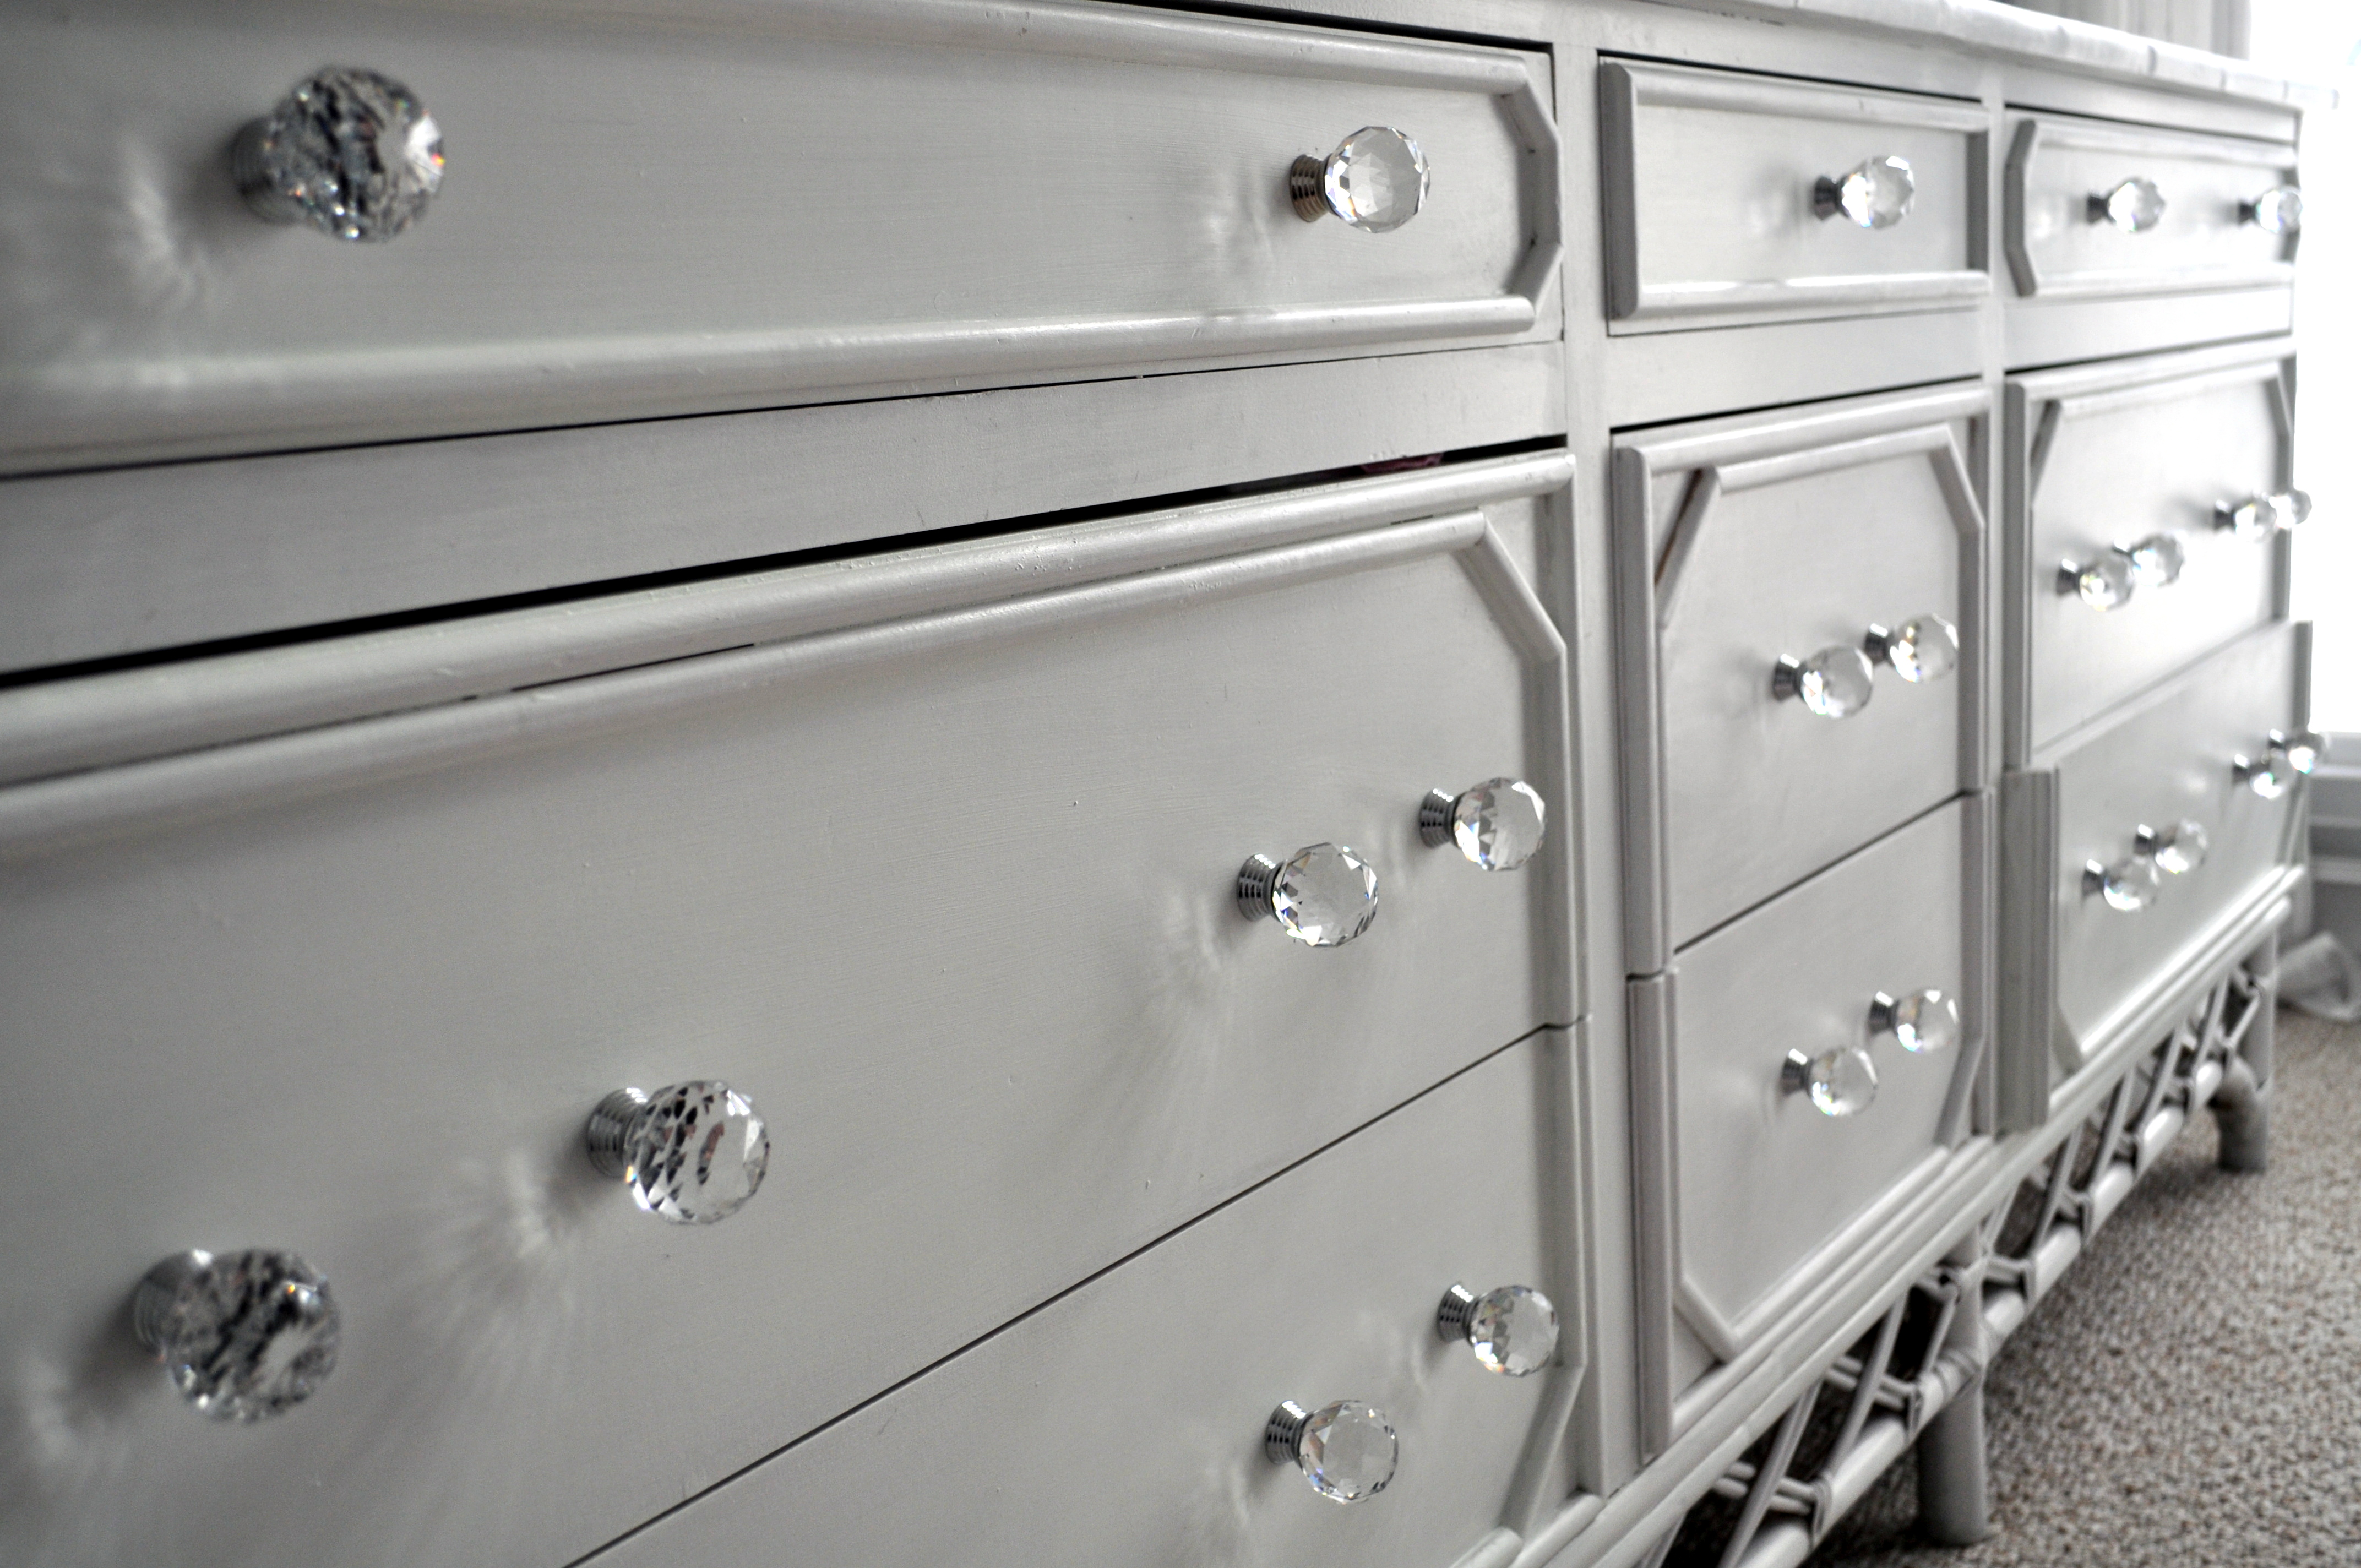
(2191, 1393)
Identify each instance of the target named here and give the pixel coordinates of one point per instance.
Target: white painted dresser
(1493, 761)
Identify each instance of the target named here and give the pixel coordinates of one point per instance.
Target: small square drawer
(772, 205)
(936, 858)
(1733, 198)
(2098, 209)
(1803, 1071)
(2148, 513)
(1801, 643)
(2129, 857)
(1125, 1421)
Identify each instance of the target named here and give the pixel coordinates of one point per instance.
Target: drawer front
(2169, 762)
(1770, 1190)
(752, 207)
(952, 896)
(1124, 1422)
(1743, 543)
(2105, 459)
(1712, 217)
(2062, 246)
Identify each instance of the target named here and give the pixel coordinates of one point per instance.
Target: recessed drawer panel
(2151, 503)
(1734, 198)
(748, 206)
(938, 862)
(2126, 905)
(2098, 209)
(1124, 1423)
(1801, 651)
(1810, 1050)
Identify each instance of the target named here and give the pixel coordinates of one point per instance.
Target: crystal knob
(2259, 517)
(2156, 560)
(2175, 849)
(2134, 206)
(692, 1154)
(1345, 1449)
(1921, 1022)
(350, 152)
(1512, 1330)
(244, 1334)
(2303, 750)
(1833, 683)
(2104, 582)
(2129, 885)
(1323, 896)
(1924, 647)
(1876, 195)
(1375, 180)
(2279, 210)
(2270, 775)
(1498, 824)
(1841, 1082)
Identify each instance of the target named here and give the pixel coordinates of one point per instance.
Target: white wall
(2319, 40)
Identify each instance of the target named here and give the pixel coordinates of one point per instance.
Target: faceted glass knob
(2279, 210)
(692, 1154)
(2129, 885)
(1841, 1082)
(1323, 896)
(2175, 849)
(2156, 560)
(2303, 750)
(2270, 775)
(244, 1335)
(1924, 647)
(1833, 683)
(1345, 1449)
(2105, 583)
(1921, 1022)
(2135, 206)
(1877, 195)
(1497, 825)
(1375, 180)
(2258, 516)
(1512, 1330)
(350, 152)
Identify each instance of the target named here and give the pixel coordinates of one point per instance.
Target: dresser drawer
(2103, 460)
(2117, 924)
(1770, 1192)
(2097, 209)
(1124, 1422)
(1718, 189)
(1744, 543)
(937, 864)
(744, 207)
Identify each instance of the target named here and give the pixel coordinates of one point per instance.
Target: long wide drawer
(2143, 526)
(2128, 854)
(1757, 556)
(1125, 1422)
(1806, 1055)
(938, 861)
(2099, 208)
(735, 206)
(1733, 198)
